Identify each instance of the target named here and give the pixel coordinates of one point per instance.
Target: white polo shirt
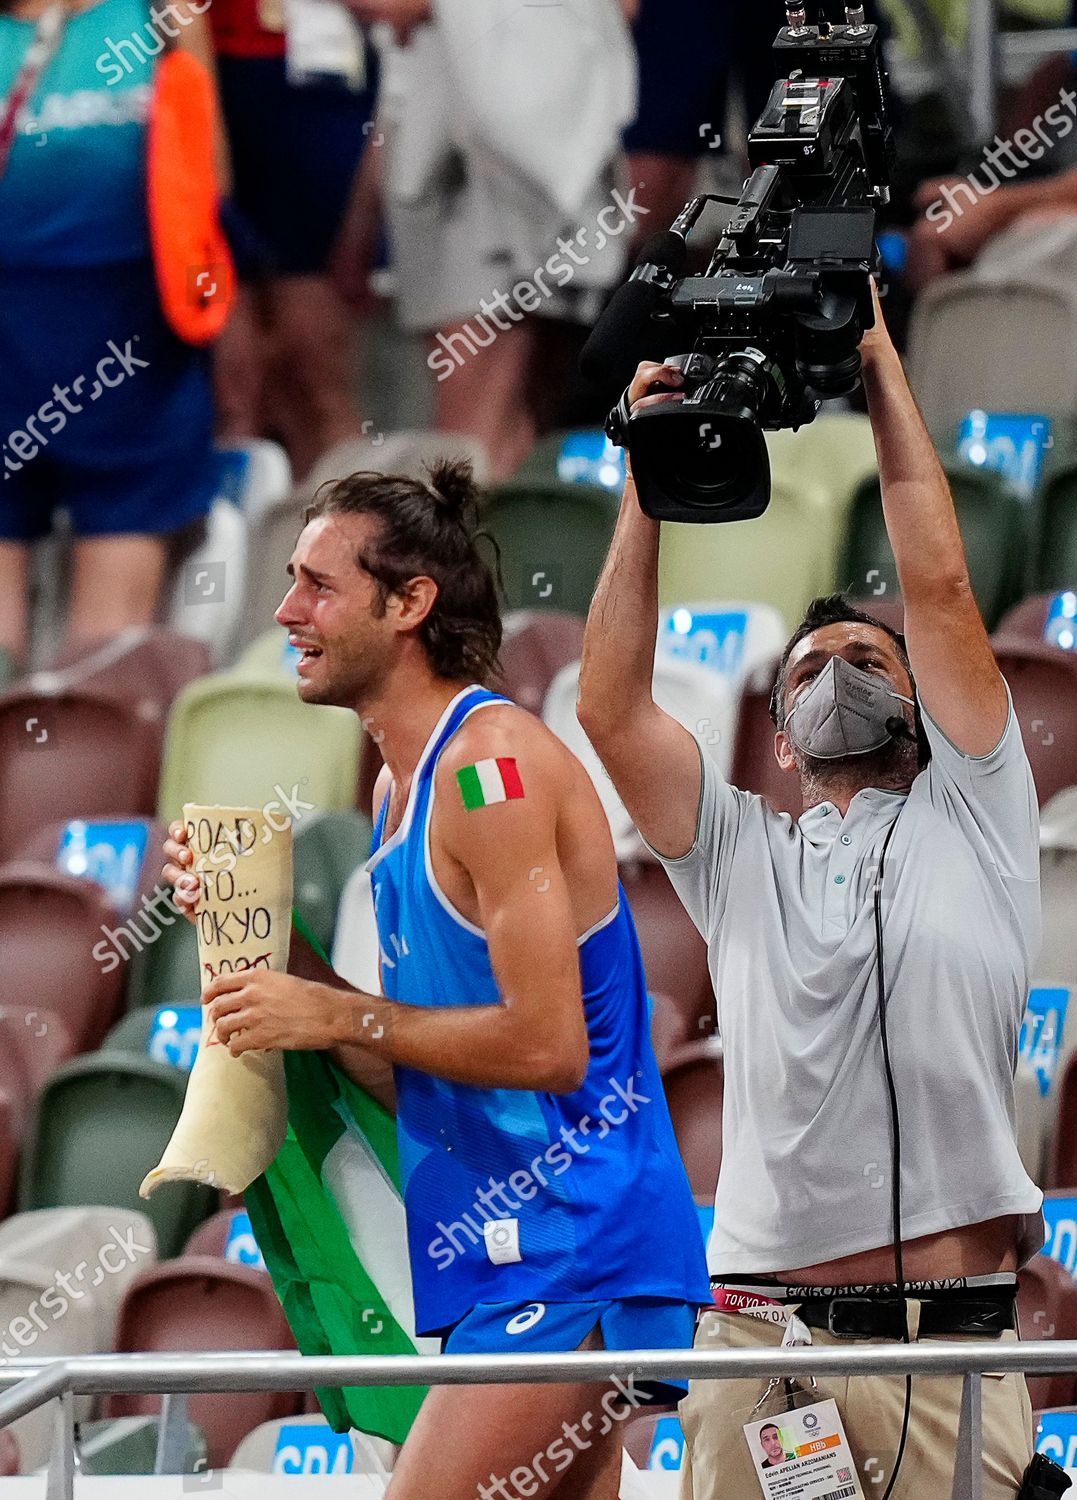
(786, 909)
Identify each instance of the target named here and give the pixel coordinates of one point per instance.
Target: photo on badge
(803, 1454)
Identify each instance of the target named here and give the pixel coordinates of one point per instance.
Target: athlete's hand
(262, 1010)
(177, 871)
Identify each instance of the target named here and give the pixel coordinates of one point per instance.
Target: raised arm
(957, 679)
(652, 759)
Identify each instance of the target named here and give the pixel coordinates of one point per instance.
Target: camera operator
(913, 740)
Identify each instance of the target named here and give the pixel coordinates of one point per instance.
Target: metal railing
(28, 1384)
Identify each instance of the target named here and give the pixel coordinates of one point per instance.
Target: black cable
(895, 1160)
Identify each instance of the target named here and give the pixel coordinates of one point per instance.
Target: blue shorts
(561, 1327)
(295, 152)
(104, 412)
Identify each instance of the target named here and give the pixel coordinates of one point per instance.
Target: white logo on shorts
(526, 1319)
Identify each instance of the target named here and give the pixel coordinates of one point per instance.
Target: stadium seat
(732, 637)
(702, 700)
(959, 325)
(355, 943)
(64, 1238)
(695, 1090)
(1047, 1309)
(1055, 566)
(1062, 1163)
(329, 846)
(1043, 685)
(408, 453)
(674, 954)
(128, 1446)
(269, 655)
(674, 1026)
(72, 754)
(12, 1116)
(791, 552)
(244, 742)
(144, 666)
(1033, 1113)
(51, 929)
(209, 590)
(33, 1044)
(165, 971)
(226, 1235)
(553, 540)
(101, 1123)
(994, 527)
(23, 1285)
(122, 854)
(1026, 619)
(306, 1444)
(256, 477)
(196, 1305)
(755, 767)
(641, 1432)
(835, 453)
(583, 455)
(535, 646)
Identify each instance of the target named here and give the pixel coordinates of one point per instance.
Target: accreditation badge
(803, 1454)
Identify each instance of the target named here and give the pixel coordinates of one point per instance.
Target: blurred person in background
(298, 84)
(1026, 178)
(104, 410)
(502, 152)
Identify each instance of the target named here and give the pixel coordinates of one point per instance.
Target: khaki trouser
(718, 1464)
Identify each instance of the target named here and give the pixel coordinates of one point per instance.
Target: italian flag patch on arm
(490, 781)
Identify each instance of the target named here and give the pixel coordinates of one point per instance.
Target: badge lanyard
(47, 37)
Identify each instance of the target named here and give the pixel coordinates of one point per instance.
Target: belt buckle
(836, 1304)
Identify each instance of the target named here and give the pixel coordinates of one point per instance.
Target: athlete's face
(772, 1444)
(332, 612)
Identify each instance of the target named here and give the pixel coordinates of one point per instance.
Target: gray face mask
(845, 712)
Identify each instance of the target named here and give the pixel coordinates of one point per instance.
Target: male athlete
(516, 1017)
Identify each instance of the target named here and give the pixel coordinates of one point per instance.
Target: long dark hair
(429, 529)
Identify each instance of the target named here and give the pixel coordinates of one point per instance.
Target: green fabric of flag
(328, 1219)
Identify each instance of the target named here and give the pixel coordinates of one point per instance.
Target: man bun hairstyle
(429, 528)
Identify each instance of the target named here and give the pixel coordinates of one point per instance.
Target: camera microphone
(897, 728)
(623, 336)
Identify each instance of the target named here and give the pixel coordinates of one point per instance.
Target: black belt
(885, 1317)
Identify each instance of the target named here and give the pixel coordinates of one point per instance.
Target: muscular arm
(535, 1037)
(652, 759)
(957, 679)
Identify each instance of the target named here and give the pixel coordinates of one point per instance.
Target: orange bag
(195, 275)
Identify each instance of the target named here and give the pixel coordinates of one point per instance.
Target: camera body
(774, 323)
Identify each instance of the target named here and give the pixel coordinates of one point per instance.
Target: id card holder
(802, 1453)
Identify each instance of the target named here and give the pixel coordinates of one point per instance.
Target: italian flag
(328, 1217)
(490, 781)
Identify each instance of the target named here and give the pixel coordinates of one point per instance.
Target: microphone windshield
(664, 249)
